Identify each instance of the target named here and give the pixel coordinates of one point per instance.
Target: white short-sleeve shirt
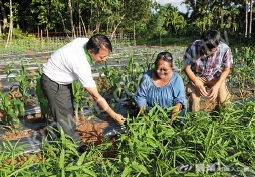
(69, 63)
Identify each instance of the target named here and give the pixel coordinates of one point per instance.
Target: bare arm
(224, 75)
(177, 108)
(175, 112)
(142, 109)
(104, 105)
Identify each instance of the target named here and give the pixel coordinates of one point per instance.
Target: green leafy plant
(13, 108)
(63, 159)
(8, 69)
(79, 98)
(24, 81)
(43, 101)
(11, 160)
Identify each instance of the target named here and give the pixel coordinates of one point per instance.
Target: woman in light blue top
(162, 86)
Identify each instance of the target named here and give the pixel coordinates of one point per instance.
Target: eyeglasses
(166, 56)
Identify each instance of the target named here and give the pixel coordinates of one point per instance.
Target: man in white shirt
(70, 63)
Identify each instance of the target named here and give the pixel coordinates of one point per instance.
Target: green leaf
(89, 172)
(139, 168)
(81, 159)
(62, 159)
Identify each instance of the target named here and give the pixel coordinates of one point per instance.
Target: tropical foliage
(140, 17)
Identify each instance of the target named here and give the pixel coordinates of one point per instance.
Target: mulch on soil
(89, 132)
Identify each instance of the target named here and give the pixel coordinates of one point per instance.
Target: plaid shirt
(210, 66)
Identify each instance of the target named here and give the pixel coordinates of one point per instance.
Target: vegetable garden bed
(200, 144)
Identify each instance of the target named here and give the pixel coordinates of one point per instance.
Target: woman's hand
(142, 110)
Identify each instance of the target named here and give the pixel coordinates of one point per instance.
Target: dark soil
(89, 132)
(18, 134)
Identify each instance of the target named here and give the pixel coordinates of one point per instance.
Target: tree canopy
(140, 17)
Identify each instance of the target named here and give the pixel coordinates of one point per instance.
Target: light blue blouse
(167, 96)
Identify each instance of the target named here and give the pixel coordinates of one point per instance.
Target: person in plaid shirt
(207, 63)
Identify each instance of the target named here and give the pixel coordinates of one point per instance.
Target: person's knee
(195, 98)
(194, 102)
(224, 95)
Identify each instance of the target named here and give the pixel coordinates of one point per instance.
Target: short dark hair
(210, 39)
(166, 56)
(98, 41)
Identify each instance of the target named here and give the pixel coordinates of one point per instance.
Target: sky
(175, 3)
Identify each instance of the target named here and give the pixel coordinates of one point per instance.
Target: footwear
(82, 147)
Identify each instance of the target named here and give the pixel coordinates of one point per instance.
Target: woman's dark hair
(210, 39)
(166, 56)
(98, 41)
